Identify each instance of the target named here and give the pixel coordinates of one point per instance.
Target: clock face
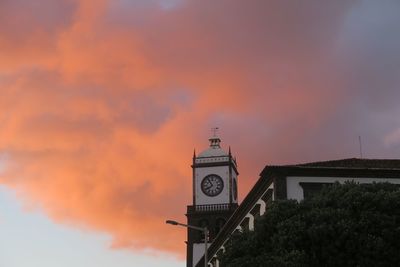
(234, 189)
(212, 185)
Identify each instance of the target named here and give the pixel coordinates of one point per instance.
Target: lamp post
(203, 229)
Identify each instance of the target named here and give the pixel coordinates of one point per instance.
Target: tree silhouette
(343, 225)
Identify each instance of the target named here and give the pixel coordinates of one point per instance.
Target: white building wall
(295, 191)
(198, 252)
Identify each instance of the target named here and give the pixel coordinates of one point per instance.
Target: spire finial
(214, 140)
(214, 131)
(194, 153)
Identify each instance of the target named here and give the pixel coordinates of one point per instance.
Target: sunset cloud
(102, 102)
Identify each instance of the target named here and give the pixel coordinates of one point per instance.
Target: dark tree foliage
(344, 225)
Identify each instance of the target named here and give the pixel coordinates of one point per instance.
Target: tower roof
(215, 149)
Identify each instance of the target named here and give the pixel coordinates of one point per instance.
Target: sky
(102, 103)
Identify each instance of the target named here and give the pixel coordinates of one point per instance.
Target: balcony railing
(212, 207)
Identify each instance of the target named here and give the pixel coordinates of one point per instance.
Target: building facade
(298, 182)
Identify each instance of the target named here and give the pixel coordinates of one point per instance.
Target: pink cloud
(101, 107)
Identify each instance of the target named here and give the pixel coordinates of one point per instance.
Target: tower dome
(214, 150)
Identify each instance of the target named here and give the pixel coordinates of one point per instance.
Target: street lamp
(203, 229)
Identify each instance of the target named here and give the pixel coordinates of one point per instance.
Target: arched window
(203, 223)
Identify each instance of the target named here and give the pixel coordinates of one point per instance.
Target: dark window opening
(203, 223)
(219, 224)
(310, 189)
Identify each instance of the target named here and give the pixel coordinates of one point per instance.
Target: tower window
(203, 223)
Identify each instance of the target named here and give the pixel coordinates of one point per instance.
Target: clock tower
(215, 196)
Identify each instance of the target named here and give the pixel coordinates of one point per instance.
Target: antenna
(214, 130)
(359, 141)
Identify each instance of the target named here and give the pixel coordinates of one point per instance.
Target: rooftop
(214, 150)
(355, 163)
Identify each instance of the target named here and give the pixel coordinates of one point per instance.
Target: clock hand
(208, 187)
(214, 186)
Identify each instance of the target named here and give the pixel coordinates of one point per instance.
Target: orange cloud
(103, 101)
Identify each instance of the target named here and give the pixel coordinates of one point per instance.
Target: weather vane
(215, 130)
